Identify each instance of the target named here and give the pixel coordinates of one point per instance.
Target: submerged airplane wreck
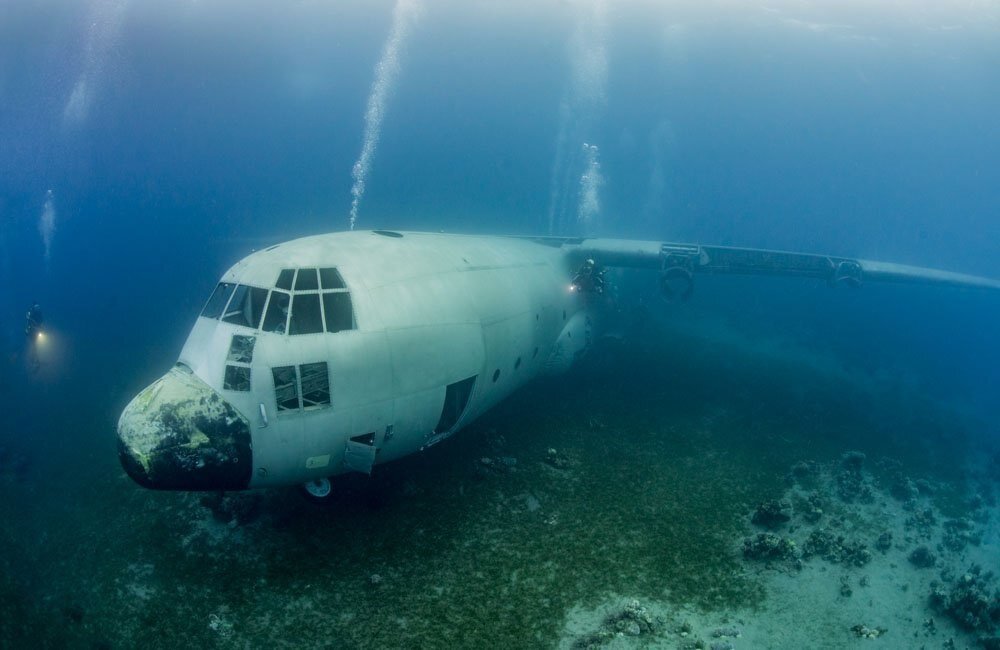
(337, 352)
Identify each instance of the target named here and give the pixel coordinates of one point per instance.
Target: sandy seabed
(614, 507)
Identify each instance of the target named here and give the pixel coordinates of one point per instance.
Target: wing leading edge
(679, 261)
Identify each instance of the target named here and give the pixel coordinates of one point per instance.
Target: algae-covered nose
(179, 434)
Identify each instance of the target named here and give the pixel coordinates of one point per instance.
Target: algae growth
(635, 475)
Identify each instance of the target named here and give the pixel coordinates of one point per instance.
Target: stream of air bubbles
(386, 72)
(579, 112)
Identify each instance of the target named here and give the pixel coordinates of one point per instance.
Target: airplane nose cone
(179, 434)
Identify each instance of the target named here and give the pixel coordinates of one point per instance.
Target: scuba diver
(34, 320)
(589, 278)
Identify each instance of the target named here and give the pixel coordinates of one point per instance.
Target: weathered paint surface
(180, 434)
(429, 311)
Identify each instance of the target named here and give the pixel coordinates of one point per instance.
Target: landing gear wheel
(318, 490)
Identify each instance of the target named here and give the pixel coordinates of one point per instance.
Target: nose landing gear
(317, 490)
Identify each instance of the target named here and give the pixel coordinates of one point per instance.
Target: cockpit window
(285, 279)
(215, 305)
(339, 314)
(306, 317)
(306, 280)
(330, 279)
(246, 307)
(319, 302)
(276, 318)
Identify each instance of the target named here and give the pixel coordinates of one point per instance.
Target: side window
(315, 384)
(306, 318)
(241, 349)
(286, 388)
(215, 305)
(310, 382)
(276, 318)
(237, 378)
(237, 375)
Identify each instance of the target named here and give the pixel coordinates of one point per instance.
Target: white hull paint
(437, 324)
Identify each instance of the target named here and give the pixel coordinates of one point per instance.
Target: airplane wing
(679, 262)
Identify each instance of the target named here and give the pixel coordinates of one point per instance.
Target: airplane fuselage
(337, 352)
(334, 353)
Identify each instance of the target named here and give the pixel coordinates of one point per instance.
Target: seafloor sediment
(680, 494)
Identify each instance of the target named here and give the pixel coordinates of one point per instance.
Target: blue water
(211, 128)
(176, 137)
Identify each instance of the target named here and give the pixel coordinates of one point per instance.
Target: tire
(318, 490)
